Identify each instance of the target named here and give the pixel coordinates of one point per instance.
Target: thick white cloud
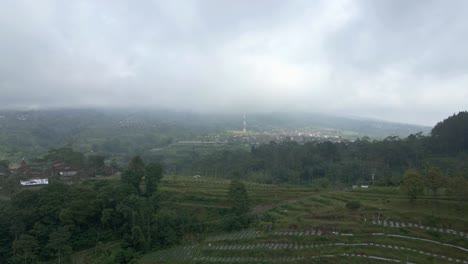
(397, 60)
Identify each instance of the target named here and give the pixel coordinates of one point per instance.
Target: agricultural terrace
(306, 225)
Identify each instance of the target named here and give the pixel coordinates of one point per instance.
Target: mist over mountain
(392, 60)
(203, 122)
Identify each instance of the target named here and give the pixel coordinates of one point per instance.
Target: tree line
(362, 161)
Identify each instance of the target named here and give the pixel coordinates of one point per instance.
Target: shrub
(353, 205)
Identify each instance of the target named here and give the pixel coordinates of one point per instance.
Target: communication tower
(245, 125)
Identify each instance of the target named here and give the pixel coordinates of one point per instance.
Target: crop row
(435, 229)
(290, 259)
(280, 246)
(235, 236)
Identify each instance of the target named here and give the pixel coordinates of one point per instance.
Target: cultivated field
(306, 225)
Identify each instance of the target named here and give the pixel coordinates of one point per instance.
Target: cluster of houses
(30, 176)
(38, 175)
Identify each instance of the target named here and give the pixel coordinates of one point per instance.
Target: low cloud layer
(403, 61)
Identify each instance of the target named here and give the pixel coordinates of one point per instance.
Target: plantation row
(317, 232)
(253, 234)
(253, 186)
(435, 229)
(248, 249)
(181, 253)
(364, 256)
(248, 235)
(291, 259)
(250, 259)
(421, 239)
(309, 226)
(235, 236)
(275, 246)
(210, 181)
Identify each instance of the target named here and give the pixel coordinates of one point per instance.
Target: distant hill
(29, 133)
(350, 127)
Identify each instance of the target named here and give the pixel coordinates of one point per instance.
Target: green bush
(353, 205)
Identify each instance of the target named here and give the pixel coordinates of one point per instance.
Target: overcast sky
(403, 61)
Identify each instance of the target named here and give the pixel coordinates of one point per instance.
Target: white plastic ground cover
(421, 239)
(287, 259)
(275, 246)
(434, 229)
(253, 234)
(249, 259)
(235, 236)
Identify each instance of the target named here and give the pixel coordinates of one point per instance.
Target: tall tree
(412, 184)
(96, 163)
(238, 198)
(26, 248)
(240, 206)
(434, 180)
(153, 175)
(137, 238)
(134, 173)
(4, 166)
(59, 243)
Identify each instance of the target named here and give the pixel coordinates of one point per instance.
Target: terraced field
(300, 225)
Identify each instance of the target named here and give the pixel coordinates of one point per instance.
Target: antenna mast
(245, 125)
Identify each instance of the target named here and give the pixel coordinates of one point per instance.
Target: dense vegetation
(51, 222)
(133, 214)
(349, 163)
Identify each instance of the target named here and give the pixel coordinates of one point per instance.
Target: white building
(32, 182)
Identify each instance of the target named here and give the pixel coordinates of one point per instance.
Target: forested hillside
(348, 163)
(125, 133)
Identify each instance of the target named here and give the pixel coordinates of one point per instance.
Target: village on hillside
(41, 173)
